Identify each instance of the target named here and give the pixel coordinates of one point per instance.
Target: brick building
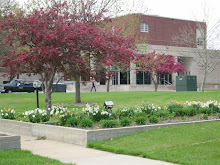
(158, 33)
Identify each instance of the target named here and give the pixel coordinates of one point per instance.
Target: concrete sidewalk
(69, 153)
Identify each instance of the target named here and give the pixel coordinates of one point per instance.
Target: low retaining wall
(76, 135)
(9, 142)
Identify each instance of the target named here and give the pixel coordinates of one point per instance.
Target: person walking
(93, 86)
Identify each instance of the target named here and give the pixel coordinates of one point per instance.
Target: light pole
(37, 85)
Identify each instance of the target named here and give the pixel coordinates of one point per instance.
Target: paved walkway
(69, 153)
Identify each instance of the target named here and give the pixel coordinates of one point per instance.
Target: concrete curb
(76, 135)
(10, 142)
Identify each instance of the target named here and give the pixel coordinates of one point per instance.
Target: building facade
(157, 34)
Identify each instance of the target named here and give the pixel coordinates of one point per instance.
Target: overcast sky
(180, 9)
(184, 9)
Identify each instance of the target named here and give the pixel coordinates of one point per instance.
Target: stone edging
(8, 141)
(76, 135)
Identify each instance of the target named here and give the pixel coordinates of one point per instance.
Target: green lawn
(27, 101)
(195, 144)
(21, 157)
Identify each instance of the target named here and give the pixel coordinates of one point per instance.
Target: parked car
(17, 85)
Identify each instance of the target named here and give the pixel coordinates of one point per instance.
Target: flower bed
(95, 117)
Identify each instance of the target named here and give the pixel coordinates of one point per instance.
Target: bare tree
(203, 44)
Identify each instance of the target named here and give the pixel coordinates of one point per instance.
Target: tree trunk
(108, 83)
(155, 86)
(203, 83)
(77, 86)
(48, 84)
(48, 99)
(155, 81)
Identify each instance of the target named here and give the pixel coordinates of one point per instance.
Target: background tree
(204, 44)
(54, 40)
(157, 65)
(119, 54)
(6, 6)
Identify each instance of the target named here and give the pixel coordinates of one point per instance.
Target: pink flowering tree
(117, 51)
(52, 40)
(158, 64)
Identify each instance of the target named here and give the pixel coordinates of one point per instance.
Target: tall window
(115, 79)
(144, 27)
(125, 78)
(143, 78)
(165, 79)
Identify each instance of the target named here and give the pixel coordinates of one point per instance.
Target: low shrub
(153, 119)
(72, 122)
(214, 108)
(126, 112)
(109, 124)
(64, 116)
(207, 111)
(174, 106)
(172, 115)
(161, 113)
(37, 115)
(140, 120)
(57, 110)
(8, 113)
(140, 114)
(189, 111)
(86, 123)
(147, 109)
(45, 118)
(186, 111)
(205, 117)
(125, 121)
(96, 113)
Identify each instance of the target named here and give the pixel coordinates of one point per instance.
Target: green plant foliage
(37, 115)
(172, 115)
(207, 111)
(189, 111)
(96, 113)
(161, 113)
(126, 112)
(153, 119)
(72, 122)
(109, 124)
(214, 108)
(86, 123)
(125, 121)
(205, 117)
(140, 114)
(174, 106)
(141, 120)
(8, 113)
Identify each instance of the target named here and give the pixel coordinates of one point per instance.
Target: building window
(143, 78)
(125, 78)
(115, 78)
(165, 79)
(144, 27)
(199, 41)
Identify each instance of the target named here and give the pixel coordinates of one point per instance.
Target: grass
(21, 157)
(188, 144)
(27, 101)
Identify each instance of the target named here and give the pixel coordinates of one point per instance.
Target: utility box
(60, 87)
(186, 83)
